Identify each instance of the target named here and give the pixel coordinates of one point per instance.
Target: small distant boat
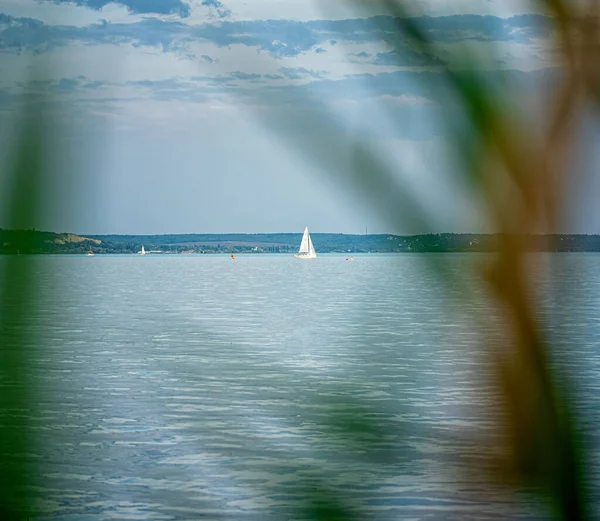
(142, 251)
(90, 253)
(307, 250)
(350, 258)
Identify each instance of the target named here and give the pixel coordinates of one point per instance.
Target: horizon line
(292, 233)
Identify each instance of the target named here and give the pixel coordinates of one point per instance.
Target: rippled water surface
(187, 387)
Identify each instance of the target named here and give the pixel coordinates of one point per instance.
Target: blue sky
(177, 116)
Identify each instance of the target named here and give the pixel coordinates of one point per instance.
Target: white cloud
(405, 100)
(304, 10)
(111, 63)
(66, 14)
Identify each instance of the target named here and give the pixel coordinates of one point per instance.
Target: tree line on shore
(39, 242)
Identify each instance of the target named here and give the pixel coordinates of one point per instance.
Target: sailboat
(307, 250)
(142, 251)
(90, 253)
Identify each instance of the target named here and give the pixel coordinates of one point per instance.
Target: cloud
(72, 85)
(412, 102)
(218, 7)
(280, 38)
(363, 55)
(177, 7)
(405, 57)
(357, 87)
(405, 100)
(28, 34)
(171, 83)
(402, 87)
(68, 84)
(238, 75)
(300, 73)
(93, 85)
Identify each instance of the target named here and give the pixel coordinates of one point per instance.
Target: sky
(215, 116)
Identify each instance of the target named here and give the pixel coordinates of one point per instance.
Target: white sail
(307, 250)
(305, 244)
(311, 248)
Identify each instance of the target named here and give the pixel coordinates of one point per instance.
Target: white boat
(90, 253)
(307, 250)
(142, 251)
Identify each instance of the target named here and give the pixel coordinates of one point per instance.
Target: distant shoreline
(30, 242)
(255, 254)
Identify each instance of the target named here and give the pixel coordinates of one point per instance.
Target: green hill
(33, 241)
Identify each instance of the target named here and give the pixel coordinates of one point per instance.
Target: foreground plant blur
(517, 169)
(514, 167)
(18, 342)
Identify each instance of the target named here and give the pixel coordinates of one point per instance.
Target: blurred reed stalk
(516, 168)
(19, 298)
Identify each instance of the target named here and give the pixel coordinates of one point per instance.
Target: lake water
(187, 387)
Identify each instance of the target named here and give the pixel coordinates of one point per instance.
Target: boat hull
(305, 255)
